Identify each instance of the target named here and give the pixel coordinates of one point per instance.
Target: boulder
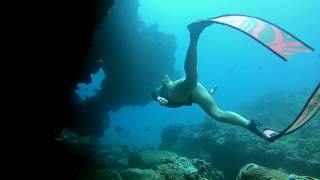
(255, 172)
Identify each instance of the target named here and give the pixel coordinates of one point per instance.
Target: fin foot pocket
(197, 27)
(266, 134)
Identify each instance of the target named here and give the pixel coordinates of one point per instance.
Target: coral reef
(231, 147)
(182, 168)
(154, 165)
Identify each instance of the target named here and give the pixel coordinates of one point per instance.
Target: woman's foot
(197, 27)
(254, 128)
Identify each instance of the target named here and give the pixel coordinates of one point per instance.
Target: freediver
(186, 91)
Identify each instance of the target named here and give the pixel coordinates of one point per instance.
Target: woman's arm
(162, 101)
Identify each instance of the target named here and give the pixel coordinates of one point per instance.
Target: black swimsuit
(172, 104)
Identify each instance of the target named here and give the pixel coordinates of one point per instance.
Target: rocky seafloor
(229, 147)
(117, 163)
(213, 151)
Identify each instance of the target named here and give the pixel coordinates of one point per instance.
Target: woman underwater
(186, 91)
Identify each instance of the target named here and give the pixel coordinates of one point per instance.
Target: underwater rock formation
(147, 159)
(170, 166)
(135, 58)
(140, 174)
(71, 28)
(255, 172)
(105, 174)
(122, 46)
(113, 157)
(66, 31)
(182, 168)
(231, 147)
(125, 45)
(151, 164)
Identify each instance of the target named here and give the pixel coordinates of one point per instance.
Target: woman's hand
(162, 101)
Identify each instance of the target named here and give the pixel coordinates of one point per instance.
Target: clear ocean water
(242, 69)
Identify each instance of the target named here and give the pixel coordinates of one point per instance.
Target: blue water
(242, 68)
(85, 91)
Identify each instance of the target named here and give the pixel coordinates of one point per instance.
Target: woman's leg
(206, 102)
(190, 65)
